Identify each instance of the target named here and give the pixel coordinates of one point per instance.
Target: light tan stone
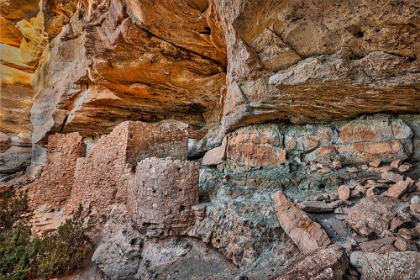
(307, 234)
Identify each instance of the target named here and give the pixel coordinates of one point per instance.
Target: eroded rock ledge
(80, 66)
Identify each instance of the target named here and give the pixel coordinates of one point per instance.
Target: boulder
(328, 263)
(392, 265)
(372, 215)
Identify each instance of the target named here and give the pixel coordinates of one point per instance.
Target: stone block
(307, 234)
(215, 156)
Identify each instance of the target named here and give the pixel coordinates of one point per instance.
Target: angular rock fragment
(375, 163)
(392, 265)
(391, 176)
(372, 215)
(396, 163)
(328, 263)
(336, 165)
(355, 194)
(384, 169)
(407, 233)
(405, 245)
(398, 189)
(405, 167)
(307, 234)
(344, 192)
(215, 156)
(315, 206)
(380, 246)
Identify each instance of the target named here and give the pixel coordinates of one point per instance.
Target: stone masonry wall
(54, 187)
(101, 178)
(161, 194)
(161, 140)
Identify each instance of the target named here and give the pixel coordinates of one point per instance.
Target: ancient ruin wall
(161, 194)
(101, 178)
(54, 187)
(166, 138)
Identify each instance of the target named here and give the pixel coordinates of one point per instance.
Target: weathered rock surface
(208, 62)
(326, 263)
(161, 194)
(244, 231)
(346, 53)
(372, 215)
(274, 88)
(307, 234)
(132, 65)
(392, 265)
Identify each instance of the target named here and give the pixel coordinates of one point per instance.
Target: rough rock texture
(392, 265)
(54, 187)
(130, 64)
(323, 52)
(207, 62)
(373, 215)
(244, 231)
(282, 96)
(22, 43)
(324, 263)
(118, 239)
(382, 137)
(160, 195)
(307, 234)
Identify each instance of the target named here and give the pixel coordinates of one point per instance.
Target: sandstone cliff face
(22, 43)
(214, 64)
(307, 61)
(274, 98)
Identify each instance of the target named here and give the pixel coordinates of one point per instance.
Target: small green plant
(63, 251)
(23, 257)
(12, 207)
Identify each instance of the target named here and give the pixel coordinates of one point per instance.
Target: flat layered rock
(391, 176)
(214, 156)
(315, 206)
(328, 263)
(393, 265)
(305, 233)
(381, 246)
(398, 189)
(372, 215)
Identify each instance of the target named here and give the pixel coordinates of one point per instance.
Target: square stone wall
(161, 140)
(161, 194)
(54, 187)
(101, 178)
